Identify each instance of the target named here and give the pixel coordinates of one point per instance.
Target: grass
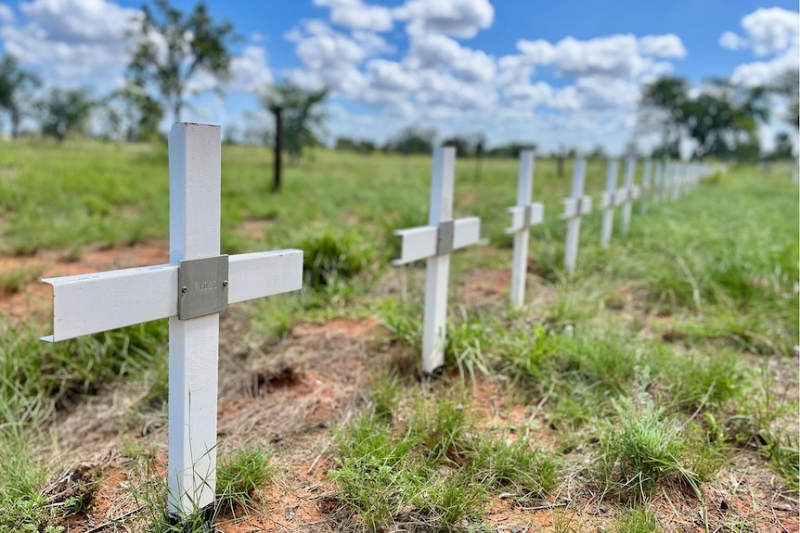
(647, 369)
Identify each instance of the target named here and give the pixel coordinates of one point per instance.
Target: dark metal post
(276, 179)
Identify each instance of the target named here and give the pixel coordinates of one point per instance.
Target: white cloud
(762, 72)
(438, 51)
(80, 20)
(250, 71)
(668, 45)
(6, 14)
(391, 77)
(355, 14)
(332, 59)
(616, 56)
(769, 31)
(72, 40)
(731, 41)
(457, 18)
(538, 52)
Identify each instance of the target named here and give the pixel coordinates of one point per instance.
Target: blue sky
(566, 72)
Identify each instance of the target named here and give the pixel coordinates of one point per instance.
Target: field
(654, 390)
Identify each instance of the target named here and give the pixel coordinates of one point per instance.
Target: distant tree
(461, 144)
(511, 150)
(345, 143)
(16, 87)
(63, 111)
(303, 116)
(661, 109)
(132, 115)
(788, 85)
(173, 48)
(598, 152)
(411, 140)
(722, 119)
(783, 148)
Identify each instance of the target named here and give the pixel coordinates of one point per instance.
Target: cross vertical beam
(575, 206)
(194, 233)
(648, 170)
(524, 215)
(658, 181)
(630, 193)
(608, 199)
(437, 276)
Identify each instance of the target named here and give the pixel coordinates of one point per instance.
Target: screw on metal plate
(204, 286)
(446, 237)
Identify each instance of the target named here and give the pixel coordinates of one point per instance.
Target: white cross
(658, 182)
(574, 207)
(191, 294)
(434, 243)
(675, 182)
(609, 202)
(648, 170)
(524, 215)
(629, 193)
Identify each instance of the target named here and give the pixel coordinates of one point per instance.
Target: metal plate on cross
(202, 286)
(446, 237)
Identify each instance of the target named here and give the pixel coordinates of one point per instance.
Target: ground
(292, 393)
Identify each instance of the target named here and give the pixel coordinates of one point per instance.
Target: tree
(787, 85)
(131, 115)
(173, 48)
(661, 108)
(303, 116)
(64, 111)
(411, 140)
(783, 147)
(722, 119)
(16, 86)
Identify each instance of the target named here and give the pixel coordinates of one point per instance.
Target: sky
(554, 73)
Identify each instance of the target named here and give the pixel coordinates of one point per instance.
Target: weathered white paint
(658, 182)
(135, 295)
(98, 302)
(631, 192)
(421, 243)
(609, 201)
(646, 188)
(574, 207)
(521, 227)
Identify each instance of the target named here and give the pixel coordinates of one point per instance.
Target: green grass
(647, 367)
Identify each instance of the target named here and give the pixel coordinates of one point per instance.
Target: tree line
(172, 49)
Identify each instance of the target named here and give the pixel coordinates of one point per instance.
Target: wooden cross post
(648, 170)
(524, 215)
(630, 192)
(191, 291)
(434, 243)
(609, 202)
(574, 207)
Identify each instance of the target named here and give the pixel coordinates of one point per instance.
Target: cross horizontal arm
(420, 242)
(263, 274)
(574, 207)
(518, 221)
(91, 303)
